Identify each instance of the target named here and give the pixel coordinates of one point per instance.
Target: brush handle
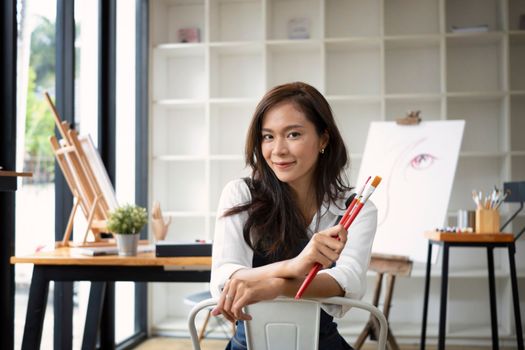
(315, 269)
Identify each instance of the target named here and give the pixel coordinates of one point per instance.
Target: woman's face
(291, 145)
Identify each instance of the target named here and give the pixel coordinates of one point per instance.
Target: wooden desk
(8, 180)
(63, 265)
(471, 240)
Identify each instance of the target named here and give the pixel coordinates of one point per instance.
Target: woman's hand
(239, 293)
(324, 248)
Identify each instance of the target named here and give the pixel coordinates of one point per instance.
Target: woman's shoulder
(236, 191)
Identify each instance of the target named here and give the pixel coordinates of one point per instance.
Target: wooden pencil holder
(487, 221)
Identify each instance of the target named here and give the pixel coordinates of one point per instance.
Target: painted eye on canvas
(422, 161)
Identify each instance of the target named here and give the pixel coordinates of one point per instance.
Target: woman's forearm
(280, 269)
(322, 286)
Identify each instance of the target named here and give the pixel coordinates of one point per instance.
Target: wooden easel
(81, 179)
(392, 266)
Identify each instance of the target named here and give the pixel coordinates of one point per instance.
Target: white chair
(287, 324)
(196, 298)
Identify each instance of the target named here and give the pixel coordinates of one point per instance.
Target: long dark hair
(275, 225)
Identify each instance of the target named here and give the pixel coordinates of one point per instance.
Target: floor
(212, 344)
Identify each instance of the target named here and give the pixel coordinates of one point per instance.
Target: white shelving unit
(373, 60)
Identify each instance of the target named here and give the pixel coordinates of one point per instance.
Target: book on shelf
(482, 28)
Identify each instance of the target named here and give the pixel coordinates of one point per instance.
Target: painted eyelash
(422, 161)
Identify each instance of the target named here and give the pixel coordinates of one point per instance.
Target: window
(35, 123)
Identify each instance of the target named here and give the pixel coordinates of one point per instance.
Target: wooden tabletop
(14, 173)
(500, 237)
(67, 256)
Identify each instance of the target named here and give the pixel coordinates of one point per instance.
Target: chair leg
(362, 337)
(203, 328)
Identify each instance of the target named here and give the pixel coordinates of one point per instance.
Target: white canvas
(417, 164)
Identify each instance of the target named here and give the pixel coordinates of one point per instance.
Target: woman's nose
(280, 146)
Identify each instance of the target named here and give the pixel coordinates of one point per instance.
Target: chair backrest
(274, 327)
(280, 324)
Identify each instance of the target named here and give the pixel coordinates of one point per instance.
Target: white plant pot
(127, 244)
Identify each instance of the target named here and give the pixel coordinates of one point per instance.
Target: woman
(273, 227)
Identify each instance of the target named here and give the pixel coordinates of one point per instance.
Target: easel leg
(90, 218)
(69, 227)
(391, 340)
(368, 330)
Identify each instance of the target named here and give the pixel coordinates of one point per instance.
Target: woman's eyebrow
(294, 126)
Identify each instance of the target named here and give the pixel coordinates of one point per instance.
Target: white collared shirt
(231, 253)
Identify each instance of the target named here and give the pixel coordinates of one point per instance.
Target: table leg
(107, 321)
(94, 312)
(443, 303)
(425, 299)
(492, 296)
(515, 296)
(36, 309)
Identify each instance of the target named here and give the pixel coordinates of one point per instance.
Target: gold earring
(322, 150)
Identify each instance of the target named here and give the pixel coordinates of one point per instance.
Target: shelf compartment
(179, 73)
(474, 63)
(236, 71)
(412, 66)
(411, 17)
(353, 119)
(517, 123)
(518, 168)
(516, 10)
(280, 12)
(294, 63)
(179, 185)
(236, 20)
(517, 59)
(353, 68)
(177, 129)
(470, 14)
(169, 16)
(483, 123)
(352, 18)
(430, 107)
(222, 172)
(228, 127)
(186, 229)
(474, 173)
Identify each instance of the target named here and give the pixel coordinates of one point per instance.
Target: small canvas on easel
(87, 179)
(417, 164)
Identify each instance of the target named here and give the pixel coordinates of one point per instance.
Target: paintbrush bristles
(376, 181)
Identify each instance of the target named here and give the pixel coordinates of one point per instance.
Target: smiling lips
(283, 165)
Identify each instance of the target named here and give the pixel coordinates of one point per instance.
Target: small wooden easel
(80, 175)
(392, 266)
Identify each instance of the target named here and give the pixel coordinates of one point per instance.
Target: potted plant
(125, 223)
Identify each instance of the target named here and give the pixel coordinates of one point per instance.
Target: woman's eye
(294, 135)
(422, 161)
(267, 137)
